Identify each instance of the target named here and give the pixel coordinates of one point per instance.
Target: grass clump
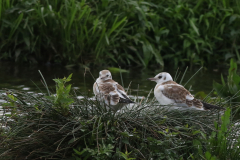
(223, 143)
(39, 128)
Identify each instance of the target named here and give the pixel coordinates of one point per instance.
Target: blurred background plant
(125, 32)
(230, 87)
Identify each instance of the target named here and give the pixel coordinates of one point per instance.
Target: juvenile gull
(168, 92)
(110, 92)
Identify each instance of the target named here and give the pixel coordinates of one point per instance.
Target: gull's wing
(123, 95)
(111, 92)
(107, 93)
(180, 95)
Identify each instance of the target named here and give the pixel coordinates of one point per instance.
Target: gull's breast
(163, 100)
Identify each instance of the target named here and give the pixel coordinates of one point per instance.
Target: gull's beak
(152, 79)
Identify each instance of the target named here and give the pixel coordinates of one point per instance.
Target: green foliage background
(126, 32)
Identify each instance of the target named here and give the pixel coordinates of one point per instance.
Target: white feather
(189, 97)
(163, 100)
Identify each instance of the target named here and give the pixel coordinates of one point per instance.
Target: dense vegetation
(126, 32)
(61, 126)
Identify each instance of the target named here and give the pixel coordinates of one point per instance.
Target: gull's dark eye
(107, 75)
(159, 77)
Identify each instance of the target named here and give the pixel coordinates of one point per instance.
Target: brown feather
(169, 82)
(178, 93)
(104, 71)
(106, 88)
(194, 102)
(120, 87)
(110, 81)
(115, 98)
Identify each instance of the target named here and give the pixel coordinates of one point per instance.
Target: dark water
(22, 77)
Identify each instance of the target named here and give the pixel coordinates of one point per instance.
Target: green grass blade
(116, 25)
(44, 82)
(183, 75)
(16, 24)
(192, 76)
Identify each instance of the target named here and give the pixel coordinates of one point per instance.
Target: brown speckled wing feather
(119, 87)
(179, 93)
(197, 103)
(113, 93)
(106, 88)
(110, 94)
(176, 93)
(126, 99)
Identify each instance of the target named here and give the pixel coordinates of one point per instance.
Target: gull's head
(105, 75)
(161, 78)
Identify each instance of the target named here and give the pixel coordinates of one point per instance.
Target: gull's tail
(208, 106)
(125, 100)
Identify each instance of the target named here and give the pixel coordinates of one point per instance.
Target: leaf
(198, 145)
(158, 58)
(208, 155)
(193, 26)
(220, 89)
(73, 13)
(17, 53)
(69, 78)
(116, 25)
(107, 40)
(79, 153)
(71, 141)
(26, 40)
(66, 100)
(113, 69)
(57, 81)
(68, 88)
(196, 132)
(207, 23)
(16, 25)
(222, 79)
(218, 38)
(125, 134)
(222, 28)
(148, 49)
(229, 55)
(233, 78)
(225, 120)
(232, 18)
(186, 43)
(161, 132)
(200, 95)
(233, 66)
(125, 140)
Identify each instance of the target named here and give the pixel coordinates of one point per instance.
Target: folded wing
(111, 92)
(180, 95)
(123, 95)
